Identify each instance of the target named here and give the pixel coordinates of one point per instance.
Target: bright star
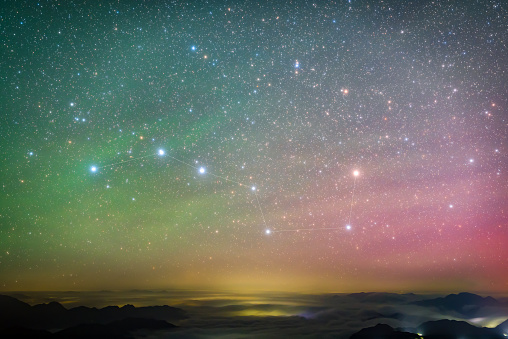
(253, 188)
(202, 170)
(161, 152)
(348, 227)
(193, 48)
(268, 231)
(93, 169)
(356, 173)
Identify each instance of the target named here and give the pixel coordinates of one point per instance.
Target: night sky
(285, 146)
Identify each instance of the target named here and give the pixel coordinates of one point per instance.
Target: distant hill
(464, 303)
(380, 297)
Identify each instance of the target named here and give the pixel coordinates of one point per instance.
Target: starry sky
(284, 146)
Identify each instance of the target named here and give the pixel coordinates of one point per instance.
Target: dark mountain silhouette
(464, 303)
(117, 329)
(440, 329)
(48, 316)
(112, 313)
(23, 332)
(452, 329)
(12, 311)
(53, 316)
(92, 331)
(383, 331)
(12, 305)
(121, 329)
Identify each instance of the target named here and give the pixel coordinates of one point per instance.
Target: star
(299, 118)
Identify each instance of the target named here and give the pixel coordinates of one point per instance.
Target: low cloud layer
(291, 315)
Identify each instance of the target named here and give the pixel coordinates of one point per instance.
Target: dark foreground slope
(440, 329)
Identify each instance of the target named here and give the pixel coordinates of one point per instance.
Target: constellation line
(307, 229)
(352, 199)
(122, 162)
(200, 169)
(348, 226)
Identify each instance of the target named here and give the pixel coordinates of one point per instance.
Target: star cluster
(352, 145)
